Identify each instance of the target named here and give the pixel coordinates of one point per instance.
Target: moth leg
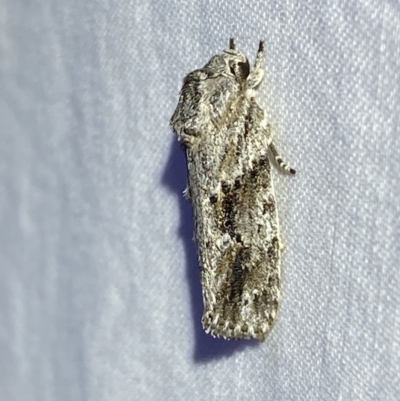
(186, 192)
(232, 43)
(279, 160)
(256, 75)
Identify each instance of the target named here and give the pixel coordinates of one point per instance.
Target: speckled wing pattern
(228, 144)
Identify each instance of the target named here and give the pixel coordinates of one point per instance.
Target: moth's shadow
(206, 347)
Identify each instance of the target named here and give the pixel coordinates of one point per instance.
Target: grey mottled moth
(228, 144)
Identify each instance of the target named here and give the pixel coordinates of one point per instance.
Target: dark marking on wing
(229, 212)
(239, 146)
(228, 206)
(213, 199)
(239, 274)
(238, 183)
(273, 248)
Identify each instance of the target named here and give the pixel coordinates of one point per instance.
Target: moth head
(237, 64)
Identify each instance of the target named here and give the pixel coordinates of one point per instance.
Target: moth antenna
(260, 55)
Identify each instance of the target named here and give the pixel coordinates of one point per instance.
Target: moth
(228, 145)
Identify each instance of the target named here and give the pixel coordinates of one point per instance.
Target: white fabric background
(99, 293)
